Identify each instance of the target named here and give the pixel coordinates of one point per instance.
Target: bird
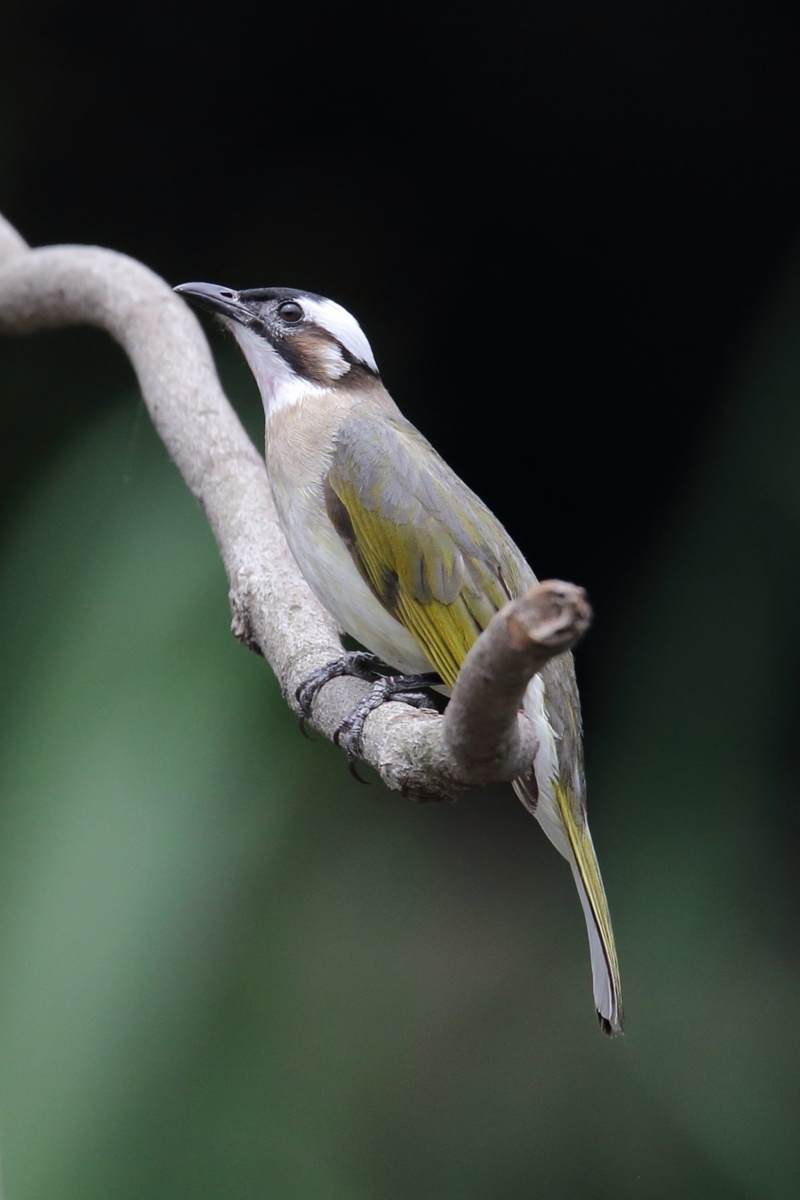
(406, 558)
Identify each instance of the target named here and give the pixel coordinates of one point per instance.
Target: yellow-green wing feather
(428, 548)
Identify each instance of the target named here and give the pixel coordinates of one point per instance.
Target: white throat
(280, 388)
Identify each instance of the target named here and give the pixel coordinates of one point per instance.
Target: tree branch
(481, 737)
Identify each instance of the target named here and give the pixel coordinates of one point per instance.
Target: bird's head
(292, 340)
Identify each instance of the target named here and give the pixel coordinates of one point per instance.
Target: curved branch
(481, 737)
(481, 728)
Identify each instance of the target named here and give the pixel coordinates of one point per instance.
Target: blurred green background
(227, 970)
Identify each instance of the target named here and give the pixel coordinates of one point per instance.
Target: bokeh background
(226, 970)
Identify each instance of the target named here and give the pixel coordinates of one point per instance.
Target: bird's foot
(358, 663)
(349, 734)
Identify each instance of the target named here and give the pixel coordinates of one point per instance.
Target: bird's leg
(387, 687)
(363, 665)
(359, 663)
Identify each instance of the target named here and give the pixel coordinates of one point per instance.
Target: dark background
(570, 235)
(561, 211)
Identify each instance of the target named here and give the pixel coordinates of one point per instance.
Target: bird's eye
(290, 312)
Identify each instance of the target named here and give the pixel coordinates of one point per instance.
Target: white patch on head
(342, 325)
(277, 382)
(334, 362)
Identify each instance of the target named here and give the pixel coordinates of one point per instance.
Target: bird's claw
(358, 663)
(349, 735)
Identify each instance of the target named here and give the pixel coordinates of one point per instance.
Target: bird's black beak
(221, 301)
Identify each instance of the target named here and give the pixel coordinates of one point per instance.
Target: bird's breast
(298, 453)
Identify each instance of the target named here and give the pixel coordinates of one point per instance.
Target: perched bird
(406, 558)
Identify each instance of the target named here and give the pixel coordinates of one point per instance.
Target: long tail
(589, 882)
(560, 814)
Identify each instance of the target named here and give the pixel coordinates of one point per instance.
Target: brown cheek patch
(310, 348)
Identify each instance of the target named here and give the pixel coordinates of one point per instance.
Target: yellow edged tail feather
(605, 968)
